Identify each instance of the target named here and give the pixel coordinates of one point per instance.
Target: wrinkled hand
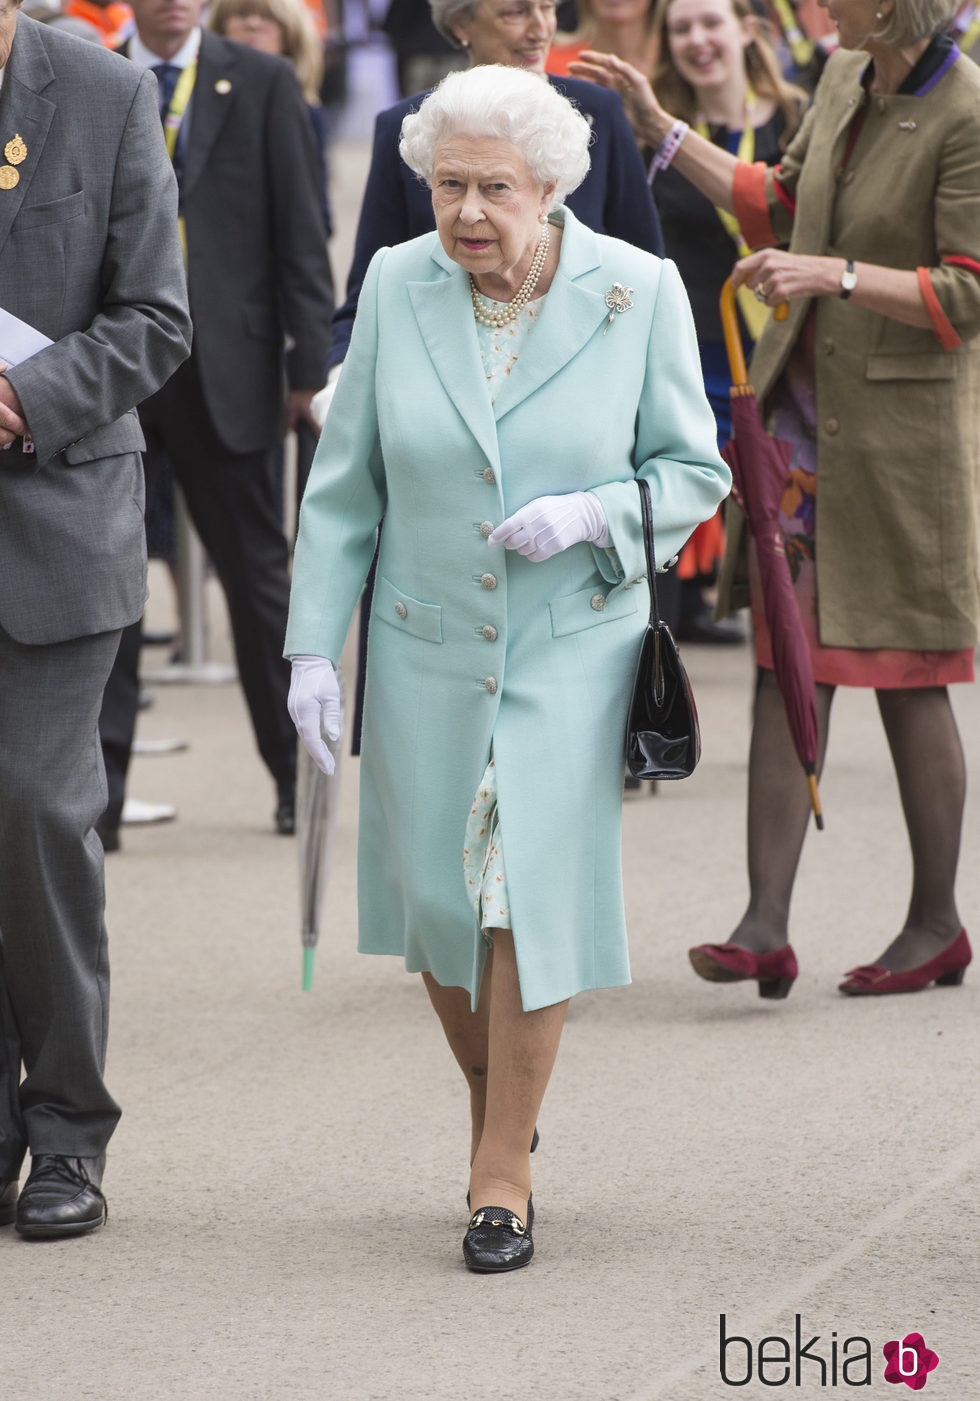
(314, 707)
(549, 524)
(323, 398)
(299, 410)
(12, 422)
(777, 276)
(646, 116)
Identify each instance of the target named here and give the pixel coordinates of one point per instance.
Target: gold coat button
(489, 581)
(486, 529)
(597, 602)
(828, 346)
(401, 610)
(832, 426)
(489, 632)
(489, 476)
(491, 685)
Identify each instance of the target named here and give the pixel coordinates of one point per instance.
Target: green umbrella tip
(308, 956)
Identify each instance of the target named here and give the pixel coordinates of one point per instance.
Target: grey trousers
(54, 969)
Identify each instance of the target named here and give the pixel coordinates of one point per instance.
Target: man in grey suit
(89, 257)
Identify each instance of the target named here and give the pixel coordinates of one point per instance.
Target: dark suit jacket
(256, 244)
(614, 198)
(89, 255)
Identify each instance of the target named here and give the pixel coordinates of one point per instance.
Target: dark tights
(931, 772)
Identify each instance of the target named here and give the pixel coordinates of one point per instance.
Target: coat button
(491, 685)
(828, 346)
(486, 529)
(598, 602)
(489, 632)
(489, 476)
(832, 426)
(489, 581)
(401, 610)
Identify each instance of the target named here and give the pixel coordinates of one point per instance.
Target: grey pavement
(286, 1187)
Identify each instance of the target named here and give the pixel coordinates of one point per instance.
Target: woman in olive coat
(874, 378)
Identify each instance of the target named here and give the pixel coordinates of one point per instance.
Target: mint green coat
(472, 646)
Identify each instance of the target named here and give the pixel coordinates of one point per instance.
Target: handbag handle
(646, 508)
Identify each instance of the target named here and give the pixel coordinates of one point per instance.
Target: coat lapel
(570, 316)
(24, 113)
(444, 314)
(214, 92)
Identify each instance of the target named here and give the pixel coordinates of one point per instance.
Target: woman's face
(257, 31)
(855, 20)
(707, 41)
(516, 33)
(487, 205)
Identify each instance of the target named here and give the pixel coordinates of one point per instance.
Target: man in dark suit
(89, 257)
(257, 273)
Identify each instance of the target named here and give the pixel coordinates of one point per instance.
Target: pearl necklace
(511, 310)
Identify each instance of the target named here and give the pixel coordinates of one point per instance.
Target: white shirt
(146, 58)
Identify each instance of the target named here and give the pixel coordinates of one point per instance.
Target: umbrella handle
(733, 336)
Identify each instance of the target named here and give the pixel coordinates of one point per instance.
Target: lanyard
(171, 130)
(178, 106)
(799, 45)
(754, 314)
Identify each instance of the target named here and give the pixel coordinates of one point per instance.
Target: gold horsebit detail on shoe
(515, 1223)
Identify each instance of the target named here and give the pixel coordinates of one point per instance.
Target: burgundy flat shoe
(945, 970)
(730, 963)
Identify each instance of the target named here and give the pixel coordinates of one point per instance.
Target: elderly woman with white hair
(874, 378)
(510, 376)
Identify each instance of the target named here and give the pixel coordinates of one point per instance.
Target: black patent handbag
(663, 739)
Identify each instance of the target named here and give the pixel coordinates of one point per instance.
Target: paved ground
(286, 1185)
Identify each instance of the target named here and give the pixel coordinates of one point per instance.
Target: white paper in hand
(18, 339)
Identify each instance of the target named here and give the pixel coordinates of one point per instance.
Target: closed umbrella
(759, 466)
(316, 808)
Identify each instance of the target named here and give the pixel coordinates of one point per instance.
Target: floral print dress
(483, 858)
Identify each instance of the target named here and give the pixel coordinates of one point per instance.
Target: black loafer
(8, 1201)
(497, 1240)
(285, 814)
(61, 1197)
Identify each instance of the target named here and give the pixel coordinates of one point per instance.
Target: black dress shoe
(497, 1240)
(697, 625)
(61, 1197)
(8, 1201)
(285, 814)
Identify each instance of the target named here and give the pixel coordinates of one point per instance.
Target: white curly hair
(520, 108)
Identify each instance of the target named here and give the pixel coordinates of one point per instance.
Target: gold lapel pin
(15, 151)
(223, 86)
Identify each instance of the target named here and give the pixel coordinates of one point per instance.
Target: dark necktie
(166, 75)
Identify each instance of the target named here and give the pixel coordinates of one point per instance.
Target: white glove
(323, 398)
(549, 524)
(314, 707)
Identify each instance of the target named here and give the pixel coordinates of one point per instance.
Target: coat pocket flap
(589, 607)
(123, 435)
(910, 367)
(406, 613)
(260, 321)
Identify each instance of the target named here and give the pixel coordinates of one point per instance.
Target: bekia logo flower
(909, 1361)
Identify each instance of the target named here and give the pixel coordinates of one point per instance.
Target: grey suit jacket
(89, 254)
